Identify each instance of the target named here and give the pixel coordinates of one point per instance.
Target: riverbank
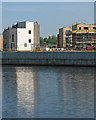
(49, 58)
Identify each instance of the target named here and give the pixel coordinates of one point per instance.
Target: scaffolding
(84, 38)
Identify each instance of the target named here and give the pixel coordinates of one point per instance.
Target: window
(68, 33)
(12, 37)
(90, 34)
(79, 28)
(25, 44)
(90, 37)
(85, 28)
(29, 31)
(29, 40)
(94, 28)
(5, 46)
(11, 46)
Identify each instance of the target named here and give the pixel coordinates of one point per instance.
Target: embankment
(49, 58)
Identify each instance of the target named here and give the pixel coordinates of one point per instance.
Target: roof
(16, 25)
(66, 27)
(84, 24)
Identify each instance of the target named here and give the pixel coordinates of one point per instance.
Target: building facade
(64, 38)
(24, 36)
(79, 36)
(1, 42)
(83, 35)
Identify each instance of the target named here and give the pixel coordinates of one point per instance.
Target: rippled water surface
(48, 92)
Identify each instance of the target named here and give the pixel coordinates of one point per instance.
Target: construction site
(81, 37)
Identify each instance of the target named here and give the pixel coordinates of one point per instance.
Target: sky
(50, 15)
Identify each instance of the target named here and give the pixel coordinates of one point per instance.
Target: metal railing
(84, 31)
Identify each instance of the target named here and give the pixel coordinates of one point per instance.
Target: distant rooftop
(83, 23)
(65, 27)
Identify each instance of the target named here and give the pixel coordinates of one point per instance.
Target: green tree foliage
(48, 41)
(41, 41)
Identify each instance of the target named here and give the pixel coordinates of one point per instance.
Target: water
(48, 92)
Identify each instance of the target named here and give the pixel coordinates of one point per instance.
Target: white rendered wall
(23, 37)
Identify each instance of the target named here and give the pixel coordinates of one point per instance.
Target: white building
(23, 36)
(50, 36)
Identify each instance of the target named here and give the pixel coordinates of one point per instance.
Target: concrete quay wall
(49, 58)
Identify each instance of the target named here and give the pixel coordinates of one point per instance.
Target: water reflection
(27, 91)
(48, 92)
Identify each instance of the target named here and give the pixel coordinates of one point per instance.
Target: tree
(41, 41)
(48, 41)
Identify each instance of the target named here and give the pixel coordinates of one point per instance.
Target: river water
(48, 92)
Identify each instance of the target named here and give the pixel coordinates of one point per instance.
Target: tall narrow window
(29, 40)
(29, 31)
(25, 44)
(12, 37)
(79, 28)
(11, 45)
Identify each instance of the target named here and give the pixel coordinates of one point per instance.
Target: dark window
(29, 31)
(79, 28)
(85, 28)
(94, 28)
(29, 40)
(12, 37)
(68, 32)
(90, 34)
(4, 45)
(25, 44)
(68, 39)
(11, 46)
(89, 39)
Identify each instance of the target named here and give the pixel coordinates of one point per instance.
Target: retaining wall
(50, 58)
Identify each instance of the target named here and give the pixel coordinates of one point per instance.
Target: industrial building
(1, 42)
(23, 36)
(80, 36)
(83, 35)
(64, 38)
